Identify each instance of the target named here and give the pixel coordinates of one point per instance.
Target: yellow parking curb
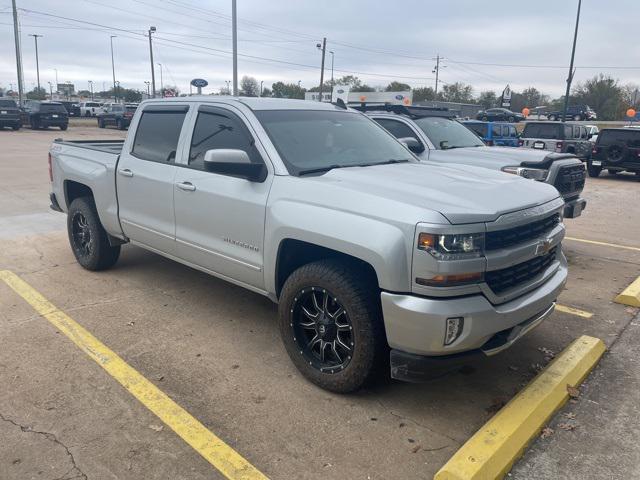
(630, 295)
(491, 452)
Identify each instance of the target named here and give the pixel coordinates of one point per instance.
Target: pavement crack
(75, 470)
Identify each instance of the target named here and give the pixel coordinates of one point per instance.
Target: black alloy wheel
(81, 235)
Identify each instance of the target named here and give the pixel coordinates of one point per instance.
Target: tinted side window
(479, 128)
(217, 129)
(568, 131)
(512, 131)
(397, 129)
(157, 136)
(496, 130)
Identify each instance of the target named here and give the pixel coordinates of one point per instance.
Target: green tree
(37, 94)
(266, 92)
(135, 96)
(458, 92)
(423, 94)
(397, 87)
(488, 99)
(249, 87)
(287, 90)
(602, 93)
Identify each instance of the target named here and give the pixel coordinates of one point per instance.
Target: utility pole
(234, 34)
(324, 51)
(436, 70)
(113, 69)
(571, 70)
(50, 91)
(56, 70)
(35, 37)
(332, 84)
(153, 72)
(16, 34)
(161, 82)
(147, 84)
(261, 82)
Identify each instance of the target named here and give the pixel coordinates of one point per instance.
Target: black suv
(617, 150)
(557, 137)
(9, 114)
(575, 112)
(499, 115)
(118, 115)
(72, 108)
(46, 114)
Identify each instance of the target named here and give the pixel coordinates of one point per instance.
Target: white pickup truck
(373, 257)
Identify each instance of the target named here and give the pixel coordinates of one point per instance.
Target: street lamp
(50, 91)
(161, 82)
(91, 88)
(117, 89)
(147, 84)
(113, 68)
(261, 82)
(35, 37)
(153, 72)
(228, 82)
(332, 85)
(56, 70)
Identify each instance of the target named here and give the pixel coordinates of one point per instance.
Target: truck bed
(106, 146)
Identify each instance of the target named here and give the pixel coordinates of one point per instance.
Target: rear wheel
(64, 127)
(35, 125)
(331, 324)
(593, 171)
(577, 118)
(100, 123)
(16, 126)
(553, 118)
(120, 124)
(88, 239)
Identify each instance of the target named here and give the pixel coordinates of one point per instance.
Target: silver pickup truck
(373, 257)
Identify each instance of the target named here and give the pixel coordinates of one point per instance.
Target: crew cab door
(220, 218)
(400, 129)
(145, 177)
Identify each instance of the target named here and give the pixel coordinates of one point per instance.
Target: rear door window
(479, 128)
(496, 130)
(397, 129)
(158, 133)
(541, 130)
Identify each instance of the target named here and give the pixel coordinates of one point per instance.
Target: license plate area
(596, 163)
(539, 145)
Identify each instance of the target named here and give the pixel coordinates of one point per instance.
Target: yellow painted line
(606, 244)
(630, 295)
(230, 463)
(491, 452)
(574, 311)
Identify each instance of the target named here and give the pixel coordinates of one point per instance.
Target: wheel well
(73, 190)
(293, 254)
(571, 150)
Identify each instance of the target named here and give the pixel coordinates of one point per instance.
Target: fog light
(453, 330)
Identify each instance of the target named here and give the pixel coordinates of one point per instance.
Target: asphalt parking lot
(214, 349)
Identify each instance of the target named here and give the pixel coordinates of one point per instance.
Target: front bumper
(573, 208)
(416, 325)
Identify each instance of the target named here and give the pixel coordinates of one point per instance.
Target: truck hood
(461, 193)
(498, 157)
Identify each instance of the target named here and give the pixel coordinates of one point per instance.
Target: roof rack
(413, 111)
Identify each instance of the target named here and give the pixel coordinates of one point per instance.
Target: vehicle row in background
(499, 115)
(574, 112)
(617, 150)
(118, 115)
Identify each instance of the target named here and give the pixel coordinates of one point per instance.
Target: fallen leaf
(496, 404)
(131, 324)
(567, 426)
(547, 352)
(157, 428)
(570, 415)
(573, 391)
(416, 449)
(546, 432)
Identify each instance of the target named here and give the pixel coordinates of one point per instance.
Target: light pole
(50, 91)
(571, 72)
(322, 47)
(147, 84)
(56, 70)
(228, 82)
(299, 81)
(113, 68)
(153, 72)
(161, 82)
(91, 88)
(234, 35)
(118, 88)
(261, 82)
(332, 85)
(16, 35)
(35, 37)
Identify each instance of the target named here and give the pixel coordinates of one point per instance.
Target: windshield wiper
(388, 162)
(321, 169)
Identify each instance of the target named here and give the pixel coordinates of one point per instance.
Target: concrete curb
(490, 452)
(631, 295)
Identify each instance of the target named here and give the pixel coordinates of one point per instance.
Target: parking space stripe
(574, 311)
(606, 244)
(224, 458)
(492, 450)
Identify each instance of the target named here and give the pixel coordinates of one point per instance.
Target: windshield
(52, 107)
(541, 130)
(8, 104)
(309, 140)
(445, 133)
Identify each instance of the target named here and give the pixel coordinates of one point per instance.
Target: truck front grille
(570, 179)
(513, 236)
(501, 280)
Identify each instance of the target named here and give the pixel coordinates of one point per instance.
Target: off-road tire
(594, 172)
(64, 127)
(102, 255)
(100, 123)
(360, 296)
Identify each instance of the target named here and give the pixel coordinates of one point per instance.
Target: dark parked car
(557, 137)
(494, 133)
(617, 150)
(9, 114)
(499, 115)
(117, 115)
(72, 108)
(45, 114)
(575, 112)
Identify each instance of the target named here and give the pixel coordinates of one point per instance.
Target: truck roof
(254, 103)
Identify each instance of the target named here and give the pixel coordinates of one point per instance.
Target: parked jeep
(557, 137)
(9, 114)
(499, 134)
(617, 150)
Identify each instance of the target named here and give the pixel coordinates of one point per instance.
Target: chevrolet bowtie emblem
(543, 247)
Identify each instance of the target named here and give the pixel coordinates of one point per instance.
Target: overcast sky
(380, 40)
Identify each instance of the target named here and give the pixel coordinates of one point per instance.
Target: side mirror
(235, 163)
(412, 144)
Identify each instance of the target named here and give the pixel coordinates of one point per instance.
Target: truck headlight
(452, 247)
(538, 174)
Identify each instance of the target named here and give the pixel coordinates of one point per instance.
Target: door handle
(186, 186)
(125, 172)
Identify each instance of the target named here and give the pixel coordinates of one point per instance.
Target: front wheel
(88, 239)
(552, 118)
(64, 127)
(593, 171)
(120, 124)
(100, 123)
(331, 325)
